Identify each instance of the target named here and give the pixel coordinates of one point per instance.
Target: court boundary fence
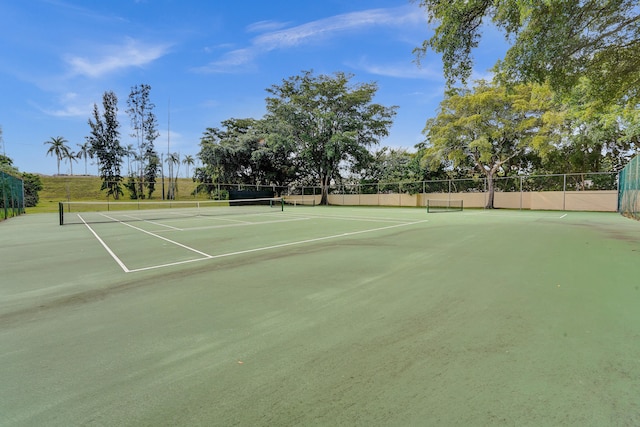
(629, 189)
(566, 192)
(11, 196)
(580, 191)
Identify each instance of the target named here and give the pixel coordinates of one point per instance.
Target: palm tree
(58, 148)
(129, 151)
(84, 153)
(72, 158)
(188, 161)
(172, 160)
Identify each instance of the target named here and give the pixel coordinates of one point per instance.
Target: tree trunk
(491, 191)
(324, 200)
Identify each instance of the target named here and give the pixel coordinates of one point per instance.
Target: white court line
(352, 218)
(159, 237)
(283, 245)
(208, 227)
(153, 222)
(512, 215)
(120, 263)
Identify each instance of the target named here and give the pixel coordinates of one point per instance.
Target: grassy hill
(87, 188)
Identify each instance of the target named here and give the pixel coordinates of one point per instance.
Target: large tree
(274, 157)
(597, 137)
(552, 40)
(488, 126)
(331, 121)
(226, 151)
(104, 140)
(246, 151)
(144, 125)
(6, 165)
(32, 185)
(58, 147)
(391, 166)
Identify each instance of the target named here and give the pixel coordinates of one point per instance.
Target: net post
(61, 212)
(281, 204)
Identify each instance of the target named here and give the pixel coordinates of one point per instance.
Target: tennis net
(434, 205)
(96, 212)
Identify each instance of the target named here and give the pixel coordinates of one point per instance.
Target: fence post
(521, 192)
(564, 191)
(484, 182)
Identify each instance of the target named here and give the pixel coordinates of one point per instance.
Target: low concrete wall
(604, 201)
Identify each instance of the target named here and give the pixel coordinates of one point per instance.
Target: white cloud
(486, 75)
(132, 53)
(330, 26)
(312, 32)
(68, 104)
(69, 111)
(404, 70)
(261, 26)
(230, 61)
(211, 49)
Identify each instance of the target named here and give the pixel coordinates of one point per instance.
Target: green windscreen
(11, 196)
(629, 189)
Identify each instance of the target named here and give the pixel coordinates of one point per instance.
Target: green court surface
(322, 316)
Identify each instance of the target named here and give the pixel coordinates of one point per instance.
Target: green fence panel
(11, 196)
(629, 189)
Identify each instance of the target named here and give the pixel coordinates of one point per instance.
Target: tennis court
(321, 316)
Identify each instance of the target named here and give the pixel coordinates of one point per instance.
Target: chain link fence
(11, 196)
(75, 188)
(628, 195)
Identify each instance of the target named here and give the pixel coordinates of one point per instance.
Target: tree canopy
(487, 127)
(104, 140)
(58, 147)
(331, 122)
(144, 126)
(555, 41)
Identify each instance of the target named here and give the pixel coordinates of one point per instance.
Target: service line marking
(108, 249)
(283, 245)
(159, 237)
(153, 222)
(208, 227)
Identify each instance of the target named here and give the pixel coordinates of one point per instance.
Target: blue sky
(206, 61)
